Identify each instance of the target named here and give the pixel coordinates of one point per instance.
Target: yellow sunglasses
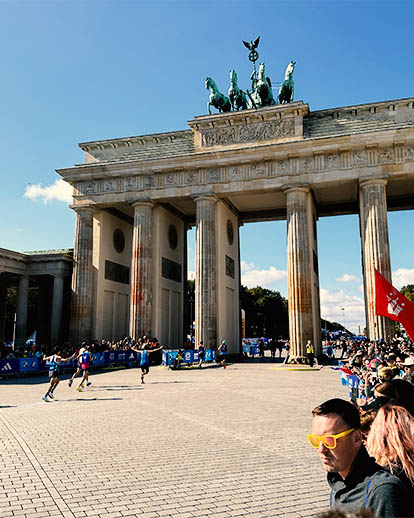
(327, 440)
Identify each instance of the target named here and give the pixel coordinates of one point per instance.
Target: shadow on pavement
(87, 399)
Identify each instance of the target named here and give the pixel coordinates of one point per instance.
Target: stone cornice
(270, 169)
(305, 147)
(370, 107)
(128, 141)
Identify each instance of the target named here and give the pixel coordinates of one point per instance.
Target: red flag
(389, 302)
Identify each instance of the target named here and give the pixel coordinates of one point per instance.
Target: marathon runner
(85, 359)
(144, 362)
(54, 361)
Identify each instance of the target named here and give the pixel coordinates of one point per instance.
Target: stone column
(3, 300)
(205, 281)
(299, 271)
(21, 311)
(82, 277)
(57, 304)
(375, 251)
(141, 271)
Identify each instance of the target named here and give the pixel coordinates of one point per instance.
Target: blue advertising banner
(190, 356)
(121, 356)
(9, 366)
(251, 349)
(98, 359)
(28, 364)
(209, 355)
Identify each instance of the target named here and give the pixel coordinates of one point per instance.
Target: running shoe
(51, 396)
(89, 383)
(70, 382)
(45, 399)
(79, 389)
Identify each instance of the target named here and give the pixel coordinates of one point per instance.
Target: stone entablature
(273, 166)
(45, 262)
(386, 149)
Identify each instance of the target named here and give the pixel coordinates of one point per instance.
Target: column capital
(208, 197)
(365, 181)
(145, 202)
(295, 187)
(83, 208)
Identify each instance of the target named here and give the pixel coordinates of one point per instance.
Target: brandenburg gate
(136, 197)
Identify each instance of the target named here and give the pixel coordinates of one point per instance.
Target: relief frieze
(288, 166)
(109, 186)
(257, 171)
(307, 164)
(191, 178)
(130, 184)
(386, 156)
(248, 133)
(332, 161)
(359, 157)
(409, 153)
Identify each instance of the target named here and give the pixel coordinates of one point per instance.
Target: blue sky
(75, 71)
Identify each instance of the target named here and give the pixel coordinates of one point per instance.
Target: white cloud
(246, 267)
(252, 276)
(402, 277)
(190, 275)
(59, 191)
(348, 277)
(348, 310)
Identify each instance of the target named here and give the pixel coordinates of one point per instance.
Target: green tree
(408, 291)
(266, 312)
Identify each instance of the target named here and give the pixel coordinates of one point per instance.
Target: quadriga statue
(217, 99)
(287, 88)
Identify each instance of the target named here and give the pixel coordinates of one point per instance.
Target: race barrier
(23, 365)
(190, 356)
(251, 349)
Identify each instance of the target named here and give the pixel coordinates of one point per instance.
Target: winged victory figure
(253, 44)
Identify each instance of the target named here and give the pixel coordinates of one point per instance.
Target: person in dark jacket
(356, 480)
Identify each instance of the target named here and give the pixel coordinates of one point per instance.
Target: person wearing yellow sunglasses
(355, 479)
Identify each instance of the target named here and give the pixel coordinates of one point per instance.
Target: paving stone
(216, 443)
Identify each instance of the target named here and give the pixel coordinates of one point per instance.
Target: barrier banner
(9, 366)
(209, 355)
(98, 359)
(190, 356)
(28, 364)
(168, 357)
(251, 349)
(121, 356)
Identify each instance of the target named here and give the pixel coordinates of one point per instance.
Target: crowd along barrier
(189, 356)
(23, 365)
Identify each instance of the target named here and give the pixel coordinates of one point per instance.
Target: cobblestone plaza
(213, 443)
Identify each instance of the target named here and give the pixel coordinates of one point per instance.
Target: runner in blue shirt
(54, 361)
(144, 361)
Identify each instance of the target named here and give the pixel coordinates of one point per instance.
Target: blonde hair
(391, 440)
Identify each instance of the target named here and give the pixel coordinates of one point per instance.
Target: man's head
(409, 364)
(334, 417)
